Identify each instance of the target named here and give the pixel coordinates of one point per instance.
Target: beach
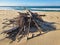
(49, 38)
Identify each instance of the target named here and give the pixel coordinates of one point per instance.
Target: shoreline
(33, 10)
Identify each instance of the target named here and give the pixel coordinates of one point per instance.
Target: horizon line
(42, 5)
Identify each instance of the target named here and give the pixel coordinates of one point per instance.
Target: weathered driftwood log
(32, 15)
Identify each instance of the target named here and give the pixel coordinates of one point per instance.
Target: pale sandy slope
(51, 38)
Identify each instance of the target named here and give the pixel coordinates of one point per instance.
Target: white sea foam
(45, 8)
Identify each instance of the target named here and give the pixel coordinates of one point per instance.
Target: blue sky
(29, 2)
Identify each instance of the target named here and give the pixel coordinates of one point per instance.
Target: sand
(50, 38)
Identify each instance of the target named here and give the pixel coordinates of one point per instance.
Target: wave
(45, 8)
(30, 8)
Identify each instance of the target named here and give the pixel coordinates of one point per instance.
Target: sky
(29, 2)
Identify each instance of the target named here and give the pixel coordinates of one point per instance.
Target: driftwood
(22, 24)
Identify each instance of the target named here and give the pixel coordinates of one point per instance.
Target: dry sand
(49, 38)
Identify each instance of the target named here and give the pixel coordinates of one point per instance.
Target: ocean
(32, 8)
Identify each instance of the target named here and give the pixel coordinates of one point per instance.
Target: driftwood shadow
(44, 25)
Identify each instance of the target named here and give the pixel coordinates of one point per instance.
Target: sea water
(32, 8)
